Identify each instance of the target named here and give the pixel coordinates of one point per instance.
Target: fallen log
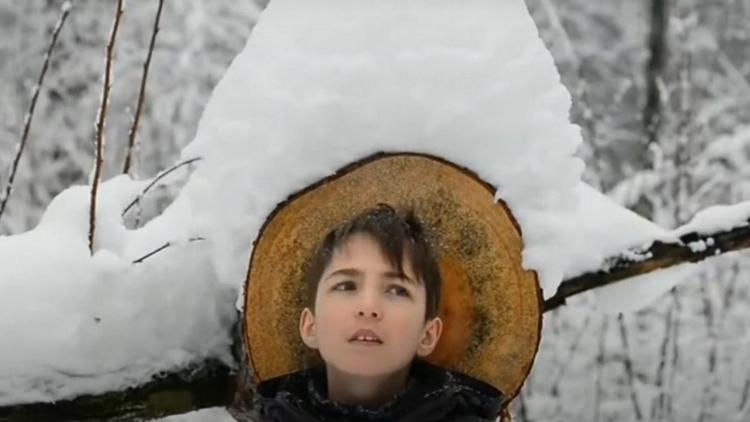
(212, 384)
(206, 384)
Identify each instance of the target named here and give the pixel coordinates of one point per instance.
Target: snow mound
(322, 84)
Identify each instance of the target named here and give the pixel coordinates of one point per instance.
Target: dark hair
(399, 234)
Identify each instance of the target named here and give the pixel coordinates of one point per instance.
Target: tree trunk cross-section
(486, 290)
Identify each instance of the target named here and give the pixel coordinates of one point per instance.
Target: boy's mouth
(365, 336)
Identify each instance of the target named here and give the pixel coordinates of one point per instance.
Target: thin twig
(628, 364)
(600, 362)
(100, 124)
(142, 93)
(30, 113)
(729, 293)
(156, 180)
(675, 350)
(659, 402)
(706, 407)
(571, 353)
(161, 248)
(744, 396)
(523, 413)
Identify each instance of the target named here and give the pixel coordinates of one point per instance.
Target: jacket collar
(432, 392)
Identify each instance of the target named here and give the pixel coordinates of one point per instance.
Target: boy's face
(368, 321)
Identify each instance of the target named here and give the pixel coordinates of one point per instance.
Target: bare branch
(100, 124)
(160, 176)
(628, 363)
(30, 113)
(142, 93)
(162, 247)
(658, 256)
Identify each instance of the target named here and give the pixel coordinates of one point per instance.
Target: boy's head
(373, 294)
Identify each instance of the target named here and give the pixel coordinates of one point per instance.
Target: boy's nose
(373, 314)
(368, 305)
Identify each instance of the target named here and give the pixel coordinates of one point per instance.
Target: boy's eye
(398, 290)
(344, 286)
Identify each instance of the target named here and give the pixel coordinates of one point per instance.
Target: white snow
(74, 323)
(320, 84)
(602, 229)
(606, 229)
(641, 291)
(598, 229)
(717, 218)
(213, 414)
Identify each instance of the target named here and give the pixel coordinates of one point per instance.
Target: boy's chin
(367, 369)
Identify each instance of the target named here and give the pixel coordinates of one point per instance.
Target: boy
(373, 295)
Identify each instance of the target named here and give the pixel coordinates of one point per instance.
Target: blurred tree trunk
(657, 46)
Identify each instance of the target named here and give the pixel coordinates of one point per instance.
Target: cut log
(491, 306)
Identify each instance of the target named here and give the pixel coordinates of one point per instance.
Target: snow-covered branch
(161, 248)
(714, 231)
(156, 180)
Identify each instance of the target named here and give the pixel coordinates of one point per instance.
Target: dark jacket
(433, 394)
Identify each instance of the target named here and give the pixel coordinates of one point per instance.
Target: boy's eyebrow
(353, 272)
(400, 276)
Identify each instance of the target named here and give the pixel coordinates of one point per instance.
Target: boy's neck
(367, 391)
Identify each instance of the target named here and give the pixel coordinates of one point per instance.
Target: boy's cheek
(332, 319)
(339, 306)
(404, 326)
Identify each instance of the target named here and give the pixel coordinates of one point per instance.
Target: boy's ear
(307, 328)
(430, 337)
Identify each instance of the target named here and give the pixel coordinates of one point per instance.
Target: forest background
(661, 90)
